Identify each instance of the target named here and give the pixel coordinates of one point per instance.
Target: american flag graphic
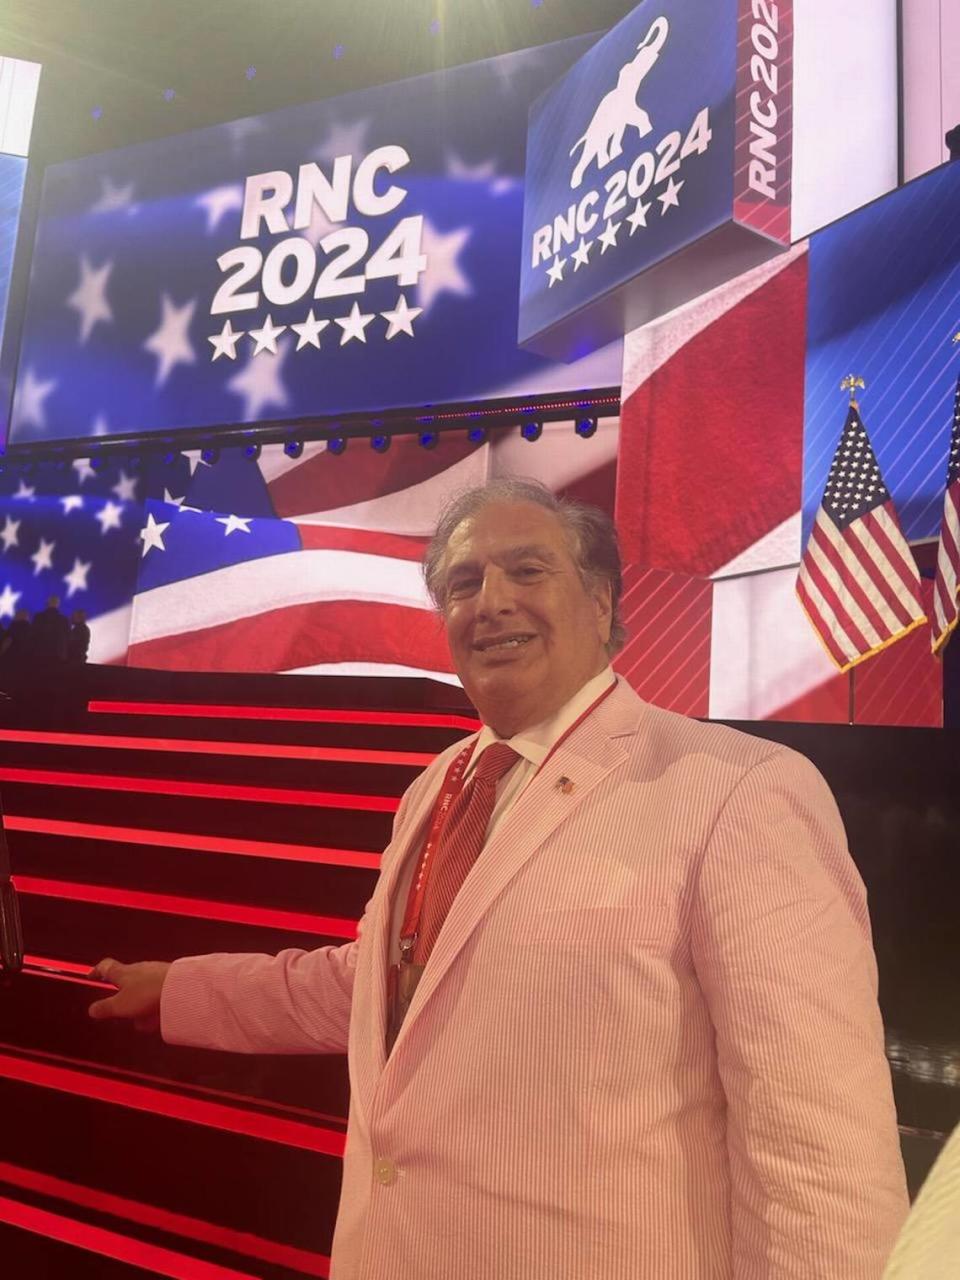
(858, 582)
(947, 582)
(312, 565)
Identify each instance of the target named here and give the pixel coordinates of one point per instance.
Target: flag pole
(851, 383)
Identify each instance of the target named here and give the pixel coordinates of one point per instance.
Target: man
(638, 1038)
(50, 632)
(78, 639)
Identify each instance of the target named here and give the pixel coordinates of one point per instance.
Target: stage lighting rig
(380, 443)
(586, 427)
(210, 454)
(428, 439)
(252, 450)
(336, 445)
(293, 448)
(532, 430)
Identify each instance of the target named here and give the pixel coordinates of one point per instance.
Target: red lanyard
(453, 784)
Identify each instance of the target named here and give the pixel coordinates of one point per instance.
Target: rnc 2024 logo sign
(626, 201)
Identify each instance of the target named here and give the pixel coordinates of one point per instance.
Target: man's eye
(463, 586)
(528, 571)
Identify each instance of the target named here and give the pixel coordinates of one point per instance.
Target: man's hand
(138, 992)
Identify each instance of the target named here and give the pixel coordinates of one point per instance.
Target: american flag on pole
(858, 581)
(947, 585)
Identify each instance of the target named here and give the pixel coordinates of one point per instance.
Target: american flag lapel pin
(564, 785)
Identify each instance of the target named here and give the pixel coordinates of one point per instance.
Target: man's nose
(496, 594)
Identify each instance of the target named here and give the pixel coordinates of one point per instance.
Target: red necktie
(461, 841)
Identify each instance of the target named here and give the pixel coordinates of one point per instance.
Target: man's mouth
(499, 643)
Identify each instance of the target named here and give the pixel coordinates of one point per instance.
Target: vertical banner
(763, 154)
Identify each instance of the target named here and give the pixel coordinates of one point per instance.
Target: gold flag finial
(956, 338)
(850, 383)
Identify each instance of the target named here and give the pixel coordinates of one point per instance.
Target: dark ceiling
(119, 58)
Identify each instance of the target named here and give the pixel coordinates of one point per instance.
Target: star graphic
(151, 535)
(442, 273)
(484, 172)
(26, 492)
(113, 197)
(354, 325)
(344, 140)
(232, 523)
(8, 601)
(43, 556)
(72, 502)
(89, 299)
(220, 201)
(309, 332)
(9, 535)
(265, 339)
(109, 517)
(171, 501)
(319, 226)
(125, 488)
(28, 405)
(225, 342)
(638, 218)
(669, 197)
(170, 343)
(581, 255)
(608, 236)
(83, 469)
(401, 318)
(555, 272)
(194, 460)
(259, 383)
(76, 579)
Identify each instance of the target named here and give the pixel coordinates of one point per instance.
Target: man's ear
(603, 598)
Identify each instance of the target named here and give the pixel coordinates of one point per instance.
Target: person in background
(78, 639)
(49, 633)
(612, 1011)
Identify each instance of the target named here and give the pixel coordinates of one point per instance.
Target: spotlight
(210, 455)
(293, 448)
(586, 427)
(428, 439)
(95, 463)
(170, 457)
(380, 444)
(477, 435)
(252, 450)
(532, 431)
(336, 445)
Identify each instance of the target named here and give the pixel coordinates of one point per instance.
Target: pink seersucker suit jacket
(646, 1045)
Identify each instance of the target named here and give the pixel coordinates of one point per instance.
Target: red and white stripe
(946, 591)
(859, 586)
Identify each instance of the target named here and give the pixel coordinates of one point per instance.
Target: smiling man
(612, 1013)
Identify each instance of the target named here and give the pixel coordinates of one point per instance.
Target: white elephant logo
(619, 109)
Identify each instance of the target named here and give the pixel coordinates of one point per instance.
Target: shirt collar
(534, 744)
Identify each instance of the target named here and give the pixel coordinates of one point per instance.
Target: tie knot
(495, 761)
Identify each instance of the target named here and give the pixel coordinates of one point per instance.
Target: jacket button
(385, 1172)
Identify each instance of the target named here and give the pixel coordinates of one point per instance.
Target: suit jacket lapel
(590, 753)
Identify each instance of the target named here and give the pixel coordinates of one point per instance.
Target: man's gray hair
(591, 533)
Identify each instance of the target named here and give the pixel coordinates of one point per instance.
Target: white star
(401, 318)
(484, 172)
(218, 201)
(555, 272)
(638, 218)
(26, 492)
(170, 343)
(151, 535)
(225, 342)
(109, 517)
(442, 273)
(581, 255)
(608, 236)
(114, 197)
(76, 579)
(8, 601)
(72, 502)
(345, 140)
(232, 523)
(170, 500)
(669, 198)
(354, 325)
(125, 488)
(43, 556)
(83, 469)
(28, 407)
(259, 383)
(265, 339)
(89, 299)
(9, 535)
(194, 460)
(309, 332)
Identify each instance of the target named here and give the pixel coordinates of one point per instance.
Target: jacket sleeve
(783, 951)
(294, 1002)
